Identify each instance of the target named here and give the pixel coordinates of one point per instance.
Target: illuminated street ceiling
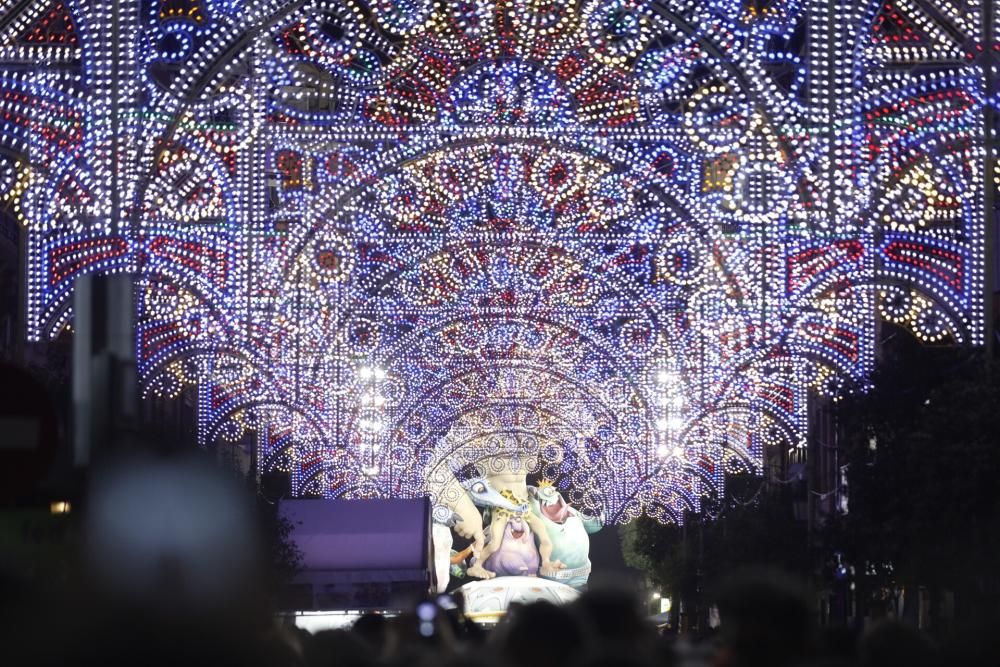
(615, 244)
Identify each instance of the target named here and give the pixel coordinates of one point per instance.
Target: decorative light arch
(655, 226)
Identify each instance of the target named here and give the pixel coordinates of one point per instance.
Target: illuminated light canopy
(615, 243)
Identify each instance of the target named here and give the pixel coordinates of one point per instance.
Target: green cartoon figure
(568, 530)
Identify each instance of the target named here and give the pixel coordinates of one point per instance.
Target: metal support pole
(115, 75)
(988, 66)
(105, 393)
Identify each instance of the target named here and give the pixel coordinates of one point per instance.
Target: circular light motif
(332, 258)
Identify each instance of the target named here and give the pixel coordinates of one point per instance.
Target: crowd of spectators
(764, 622)
(170, 578)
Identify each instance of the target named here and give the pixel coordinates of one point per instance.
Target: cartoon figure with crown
(569, 532)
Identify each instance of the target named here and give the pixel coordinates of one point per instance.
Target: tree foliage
(923, 468)
(283, 558)
(752, 526)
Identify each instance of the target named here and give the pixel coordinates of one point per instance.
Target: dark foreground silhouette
(168, 579)
(765, 621)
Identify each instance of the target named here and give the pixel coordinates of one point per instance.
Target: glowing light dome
(617, 242)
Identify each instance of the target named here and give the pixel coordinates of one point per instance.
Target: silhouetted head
(539, 635)
(371, 628)
(766, 619)
(338, 648)
(614, 616)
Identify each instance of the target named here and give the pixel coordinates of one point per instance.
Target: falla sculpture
(525, 530)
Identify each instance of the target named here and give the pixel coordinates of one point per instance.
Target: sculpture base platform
(486, 601)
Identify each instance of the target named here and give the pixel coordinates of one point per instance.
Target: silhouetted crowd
(764, 621)
(169, 575)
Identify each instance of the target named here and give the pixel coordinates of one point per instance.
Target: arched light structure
(615, 242)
